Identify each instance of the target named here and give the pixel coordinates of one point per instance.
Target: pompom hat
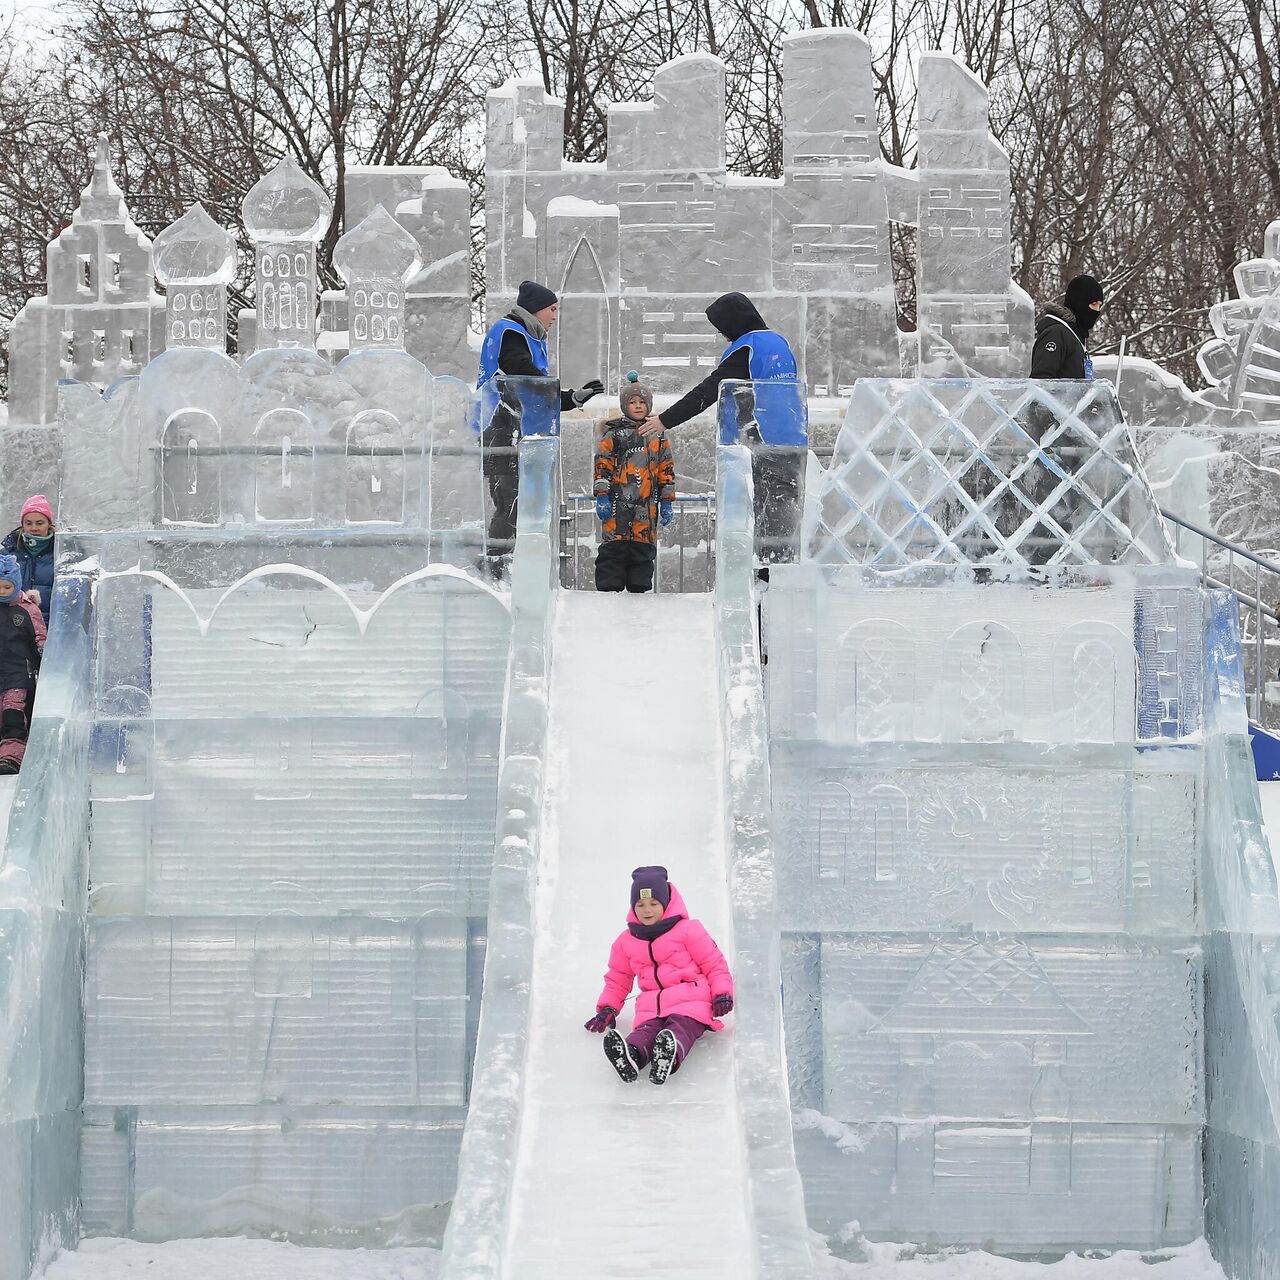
(632, 388)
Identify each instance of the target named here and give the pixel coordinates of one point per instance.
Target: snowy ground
(241, 1259)
(267, 1260)
(8, 789)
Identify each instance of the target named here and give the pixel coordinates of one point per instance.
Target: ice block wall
(986, 786)
(289, 697)
(293, 823)
(42, 913)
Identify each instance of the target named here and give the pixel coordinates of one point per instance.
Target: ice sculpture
(101, 319)
(639, 245)
(286, 213)
(991, 902)
(195, 260)
(435, 208)
(984, 472)
(973, 320)
(1240, 362)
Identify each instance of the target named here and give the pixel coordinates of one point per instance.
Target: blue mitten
(604, 507)
(665, 513)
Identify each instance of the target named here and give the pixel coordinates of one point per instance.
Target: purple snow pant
(686, 1031)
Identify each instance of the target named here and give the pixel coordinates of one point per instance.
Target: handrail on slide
(475, 1240)
(1263, 614)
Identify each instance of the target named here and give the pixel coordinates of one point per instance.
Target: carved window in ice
(439, 1006)
(983, 696)
(84, 280)
(874, 678)
(375, 466)
(1093, 680)
(441, 746)
(284, 468)
(831, 805)
(123, 745)
(887, 812)
(191, 469)
(583, 334)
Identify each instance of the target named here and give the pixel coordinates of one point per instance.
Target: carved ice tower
(286, 214)
(101, 319)
(972, 318)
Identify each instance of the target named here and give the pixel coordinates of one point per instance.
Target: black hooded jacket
(1060, 348)
(732, 314)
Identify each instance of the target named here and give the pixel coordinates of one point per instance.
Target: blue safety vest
(492, 346)
(781, 411)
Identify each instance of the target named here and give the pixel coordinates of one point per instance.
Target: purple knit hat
(650, 882)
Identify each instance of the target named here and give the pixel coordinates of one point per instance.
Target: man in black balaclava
(1062, 331)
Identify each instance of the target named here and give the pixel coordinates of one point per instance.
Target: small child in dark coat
(22, 635)
(635, 485)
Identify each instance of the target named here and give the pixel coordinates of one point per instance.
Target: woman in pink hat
(32, 543)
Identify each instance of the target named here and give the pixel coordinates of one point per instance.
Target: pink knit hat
(38, 504)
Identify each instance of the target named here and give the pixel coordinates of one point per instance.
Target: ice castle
(321, 838)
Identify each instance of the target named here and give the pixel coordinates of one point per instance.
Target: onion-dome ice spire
(194, 259)
(285, 214)
(376, 259)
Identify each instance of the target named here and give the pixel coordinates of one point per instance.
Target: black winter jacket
(732, 315)
(1059, 349)
(19, 651)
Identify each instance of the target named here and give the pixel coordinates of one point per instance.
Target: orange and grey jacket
(636, 474)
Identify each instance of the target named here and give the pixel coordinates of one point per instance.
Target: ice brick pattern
(293, 816)
(987, 796)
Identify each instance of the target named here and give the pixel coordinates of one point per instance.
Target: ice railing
(1242, 961)
(980, 472)
(475, 1240)
(42, 915)
(774, 1194)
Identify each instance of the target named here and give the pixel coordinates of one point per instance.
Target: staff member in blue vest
(755, 354)
(517, 346)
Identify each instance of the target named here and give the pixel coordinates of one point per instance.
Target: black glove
(588, 389)
(604, 1019)
(721, 1005)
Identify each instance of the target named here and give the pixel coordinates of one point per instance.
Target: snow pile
(900, 1262)
(110, 1259)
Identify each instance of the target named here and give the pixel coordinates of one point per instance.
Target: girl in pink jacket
(685, 986)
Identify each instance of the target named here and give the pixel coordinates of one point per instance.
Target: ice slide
(634, 778)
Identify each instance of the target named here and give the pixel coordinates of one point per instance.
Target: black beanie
(534, 296)
(650, 882)
(1081, 292)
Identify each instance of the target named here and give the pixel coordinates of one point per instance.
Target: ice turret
(194, 259)
(285, 214)
(376, 259)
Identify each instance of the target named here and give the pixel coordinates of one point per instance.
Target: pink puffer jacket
(680, 971)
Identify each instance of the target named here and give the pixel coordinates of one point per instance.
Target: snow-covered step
(615, 1180)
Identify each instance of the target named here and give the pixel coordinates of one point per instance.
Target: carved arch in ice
(124, 736)
(1094, 669)
(284, 468)
(983, 689)
(375, 468)
(872, 698)
(191, 469)
(831, 806)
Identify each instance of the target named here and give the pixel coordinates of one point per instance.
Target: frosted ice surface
(561, 1224)
(286, 204)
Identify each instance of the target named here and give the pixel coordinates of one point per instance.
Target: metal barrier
(689, 541)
